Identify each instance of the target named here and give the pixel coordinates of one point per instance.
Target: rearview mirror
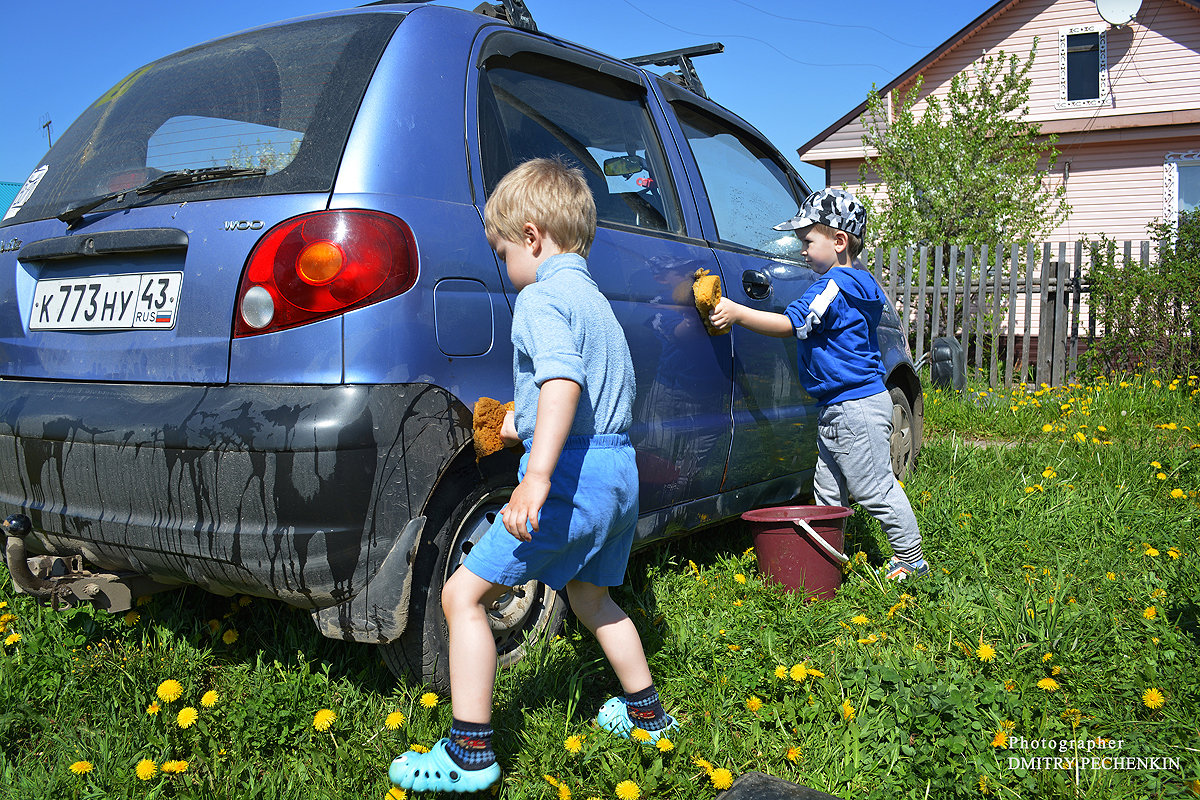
(624, 166)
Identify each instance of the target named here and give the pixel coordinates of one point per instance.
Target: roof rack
(681, 58)
(514, 12)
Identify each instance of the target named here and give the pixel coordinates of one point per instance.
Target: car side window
(533, 106)
(747, 188)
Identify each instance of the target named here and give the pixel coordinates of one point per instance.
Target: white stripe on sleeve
(817, 309)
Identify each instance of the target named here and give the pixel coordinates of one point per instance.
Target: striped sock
(645, 710)
(471, 744)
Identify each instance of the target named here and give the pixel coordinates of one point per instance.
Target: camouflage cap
(836, 208)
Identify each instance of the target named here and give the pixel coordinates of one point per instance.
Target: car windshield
(280, 99)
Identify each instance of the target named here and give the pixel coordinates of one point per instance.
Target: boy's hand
(508, 429)
(523, 507)
(726, 313)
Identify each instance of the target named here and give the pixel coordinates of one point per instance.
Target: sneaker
(614, 717)
(897, 570)
(436, 771)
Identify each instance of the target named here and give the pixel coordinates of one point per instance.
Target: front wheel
(519, 617)
(904, 435)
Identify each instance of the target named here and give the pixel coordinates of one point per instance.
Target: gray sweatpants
(854, 461)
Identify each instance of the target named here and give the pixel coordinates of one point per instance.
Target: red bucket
(801, 546)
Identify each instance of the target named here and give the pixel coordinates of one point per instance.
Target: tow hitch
(63, 580)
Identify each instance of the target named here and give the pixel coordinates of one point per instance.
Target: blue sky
(789, 68)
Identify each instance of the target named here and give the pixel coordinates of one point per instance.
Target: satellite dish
(1118, 12)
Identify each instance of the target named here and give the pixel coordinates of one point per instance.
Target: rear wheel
(904, 435)
(521, 615)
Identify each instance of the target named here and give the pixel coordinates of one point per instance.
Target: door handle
(756, 284)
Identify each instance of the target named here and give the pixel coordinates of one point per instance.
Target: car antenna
(514, 12)
(681, 58)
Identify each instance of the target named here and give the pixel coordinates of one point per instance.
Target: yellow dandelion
(798, 672)
(628, 790)
(986, 652)
(1000, 739)
(429, 700)
(210, 699)
(816, 673)
(1178, 494)
(1049, 473)
(740, 578)
(702, 764)
(132, 618)
(1111, 576)
(781, 672)
(394, 721)
(1010, 685)
(1153, 698)
(418, 748)
(323, 719)
(1148, 550)
(12, 639)
(187, 717)
(152, 709)
(573, 744)
(847, 710)
(664, 745)
(860, 619)
(245, 600)
(1174, 552)
(1049, 684)
(145, 769)
(213, 626)
(396, 793)
(169, 690)
(753, 703)
(639, 735)
(81, 767)
(721, 779)
(174, 767)
(1055, 670)
(1047, 657)
(793, 754)
(1079, 437)
(1150, 613)
(872, 639)
(230, 636)
(1047, 428)
(984, 786)
(1162, 476)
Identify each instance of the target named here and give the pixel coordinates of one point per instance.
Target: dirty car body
(259, 379)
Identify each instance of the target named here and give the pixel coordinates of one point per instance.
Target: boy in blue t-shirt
(570, 522)
(841, 367)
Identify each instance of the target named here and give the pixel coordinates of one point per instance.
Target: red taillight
(323, 264)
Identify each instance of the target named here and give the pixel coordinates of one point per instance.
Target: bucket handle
(820, 542)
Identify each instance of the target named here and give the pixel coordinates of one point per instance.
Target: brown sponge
(488, 417)
(706, 289)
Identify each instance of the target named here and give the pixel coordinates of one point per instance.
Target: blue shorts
(585, 528)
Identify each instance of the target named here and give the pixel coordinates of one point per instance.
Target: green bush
(1149, 313)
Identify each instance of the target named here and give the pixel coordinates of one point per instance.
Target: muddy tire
(467, 504)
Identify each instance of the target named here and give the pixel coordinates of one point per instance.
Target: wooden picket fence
(1020, 311)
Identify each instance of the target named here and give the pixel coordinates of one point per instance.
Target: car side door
(746, 188)
(535, 98)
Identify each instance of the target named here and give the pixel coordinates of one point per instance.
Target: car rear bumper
(299, 493)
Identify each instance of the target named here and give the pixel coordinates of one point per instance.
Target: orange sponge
(487, 420)
(706, 289)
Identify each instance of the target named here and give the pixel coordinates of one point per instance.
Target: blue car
(247, 306)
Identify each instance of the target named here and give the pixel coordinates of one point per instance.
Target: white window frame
(1092, 102)
(1171, 162)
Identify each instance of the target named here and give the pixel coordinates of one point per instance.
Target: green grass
(1047, 549)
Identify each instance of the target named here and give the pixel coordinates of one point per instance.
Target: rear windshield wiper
(175, 179)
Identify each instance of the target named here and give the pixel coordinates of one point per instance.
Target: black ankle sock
(645, 710)
(471, 744)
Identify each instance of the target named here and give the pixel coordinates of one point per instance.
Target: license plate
(107, 302)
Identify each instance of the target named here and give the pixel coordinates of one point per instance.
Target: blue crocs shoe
(614, 717)
(436, 771)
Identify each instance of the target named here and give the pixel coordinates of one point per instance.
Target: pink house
(1123, 99)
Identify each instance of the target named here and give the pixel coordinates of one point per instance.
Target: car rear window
(282, 99)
